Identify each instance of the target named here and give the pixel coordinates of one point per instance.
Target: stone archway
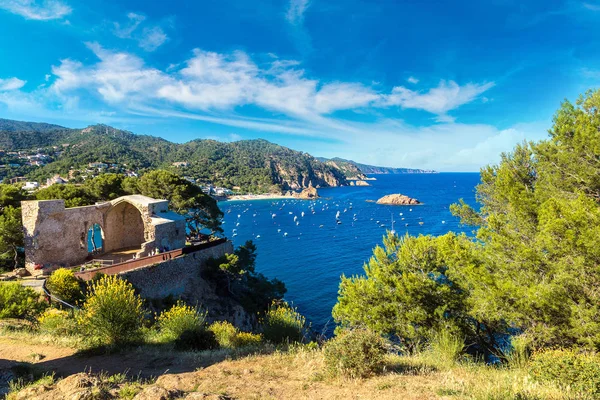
(124, 227)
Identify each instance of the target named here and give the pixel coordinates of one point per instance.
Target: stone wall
(181, 278)
(56, 236)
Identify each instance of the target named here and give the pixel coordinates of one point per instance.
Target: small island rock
(398, 200)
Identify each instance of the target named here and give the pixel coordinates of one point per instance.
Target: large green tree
(533, 267)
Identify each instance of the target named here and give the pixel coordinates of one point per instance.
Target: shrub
(64, 285)
(196, 340)
(446, 347)
(229, 337)
(283, 323)
(247, 339)
(179, 319)
(569, 369)
(57, 322)
(225, 333)
(356, 353)
(112, 313)
(17, 301)
(518, 354)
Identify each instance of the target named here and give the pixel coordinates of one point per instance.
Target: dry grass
(298, 373)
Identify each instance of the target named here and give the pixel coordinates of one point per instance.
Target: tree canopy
(532, 268)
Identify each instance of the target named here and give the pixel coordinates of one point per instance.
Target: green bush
(179, 319)
(225, 333)
(112, 312)
(17, 301)
(569, 369)
(519, 353)
(356, 353)
(446, 347)
(64, 285)
(229, 337)
(283, 323)
(57, 322)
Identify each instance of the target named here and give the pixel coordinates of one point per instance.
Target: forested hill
(372, 169)
(251, 165)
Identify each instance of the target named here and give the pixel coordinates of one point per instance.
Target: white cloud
(37, 10)
(593, 7)
(11, 84)
(152, 38)
(412, 79)
(445, 97)
(124, 31)
(295, 11)
(149, 38)
(218, 88)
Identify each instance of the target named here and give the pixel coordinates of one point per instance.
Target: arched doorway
(95, 239)
(124, 227)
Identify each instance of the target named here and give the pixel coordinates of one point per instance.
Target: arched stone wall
(124, 227)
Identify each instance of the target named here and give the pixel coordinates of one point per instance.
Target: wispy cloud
(11, 84)
(592, 6)
(210, 81)
(125, 30)
(149, 38)
(37, 10)
(413, 80)
(216, 88)
(295, 11)
(152, 38)
(445, 97)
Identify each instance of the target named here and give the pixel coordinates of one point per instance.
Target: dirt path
(65, 361)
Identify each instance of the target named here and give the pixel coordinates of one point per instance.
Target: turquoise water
(317, 250)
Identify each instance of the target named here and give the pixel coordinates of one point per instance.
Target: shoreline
(270, 196)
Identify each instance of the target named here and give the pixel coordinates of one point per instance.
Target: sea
(301, 243)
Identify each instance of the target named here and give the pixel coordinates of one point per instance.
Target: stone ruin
(56, 236)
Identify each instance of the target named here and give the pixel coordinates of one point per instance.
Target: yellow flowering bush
(229, 337)
(112, 313)
(283, 323)
(64, 285)
(57, 322)
(179, 319)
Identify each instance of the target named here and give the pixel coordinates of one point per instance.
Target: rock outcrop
(307, 194)
(398, 200)
(359, 183)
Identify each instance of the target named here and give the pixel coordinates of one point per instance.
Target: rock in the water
(398, 200)
(362, 183)
(307, 194)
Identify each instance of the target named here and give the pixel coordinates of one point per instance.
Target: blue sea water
(316, 250)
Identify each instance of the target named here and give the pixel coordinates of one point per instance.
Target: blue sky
(426, 84)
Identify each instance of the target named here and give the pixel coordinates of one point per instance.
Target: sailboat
(393, 231)
(337, 218)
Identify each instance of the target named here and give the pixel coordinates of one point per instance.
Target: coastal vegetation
(508, 312)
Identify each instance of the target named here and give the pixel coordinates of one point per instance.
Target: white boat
(285, 234)
(295, 218)
(393, 231)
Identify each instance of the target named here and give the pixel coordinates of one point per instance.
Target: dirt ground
(65, 361)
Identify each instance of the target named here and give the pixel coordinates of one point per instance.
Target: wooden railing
(146, 261)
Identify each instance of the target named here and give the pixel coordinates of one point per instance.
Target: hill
(250, 165)
(372, 169)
